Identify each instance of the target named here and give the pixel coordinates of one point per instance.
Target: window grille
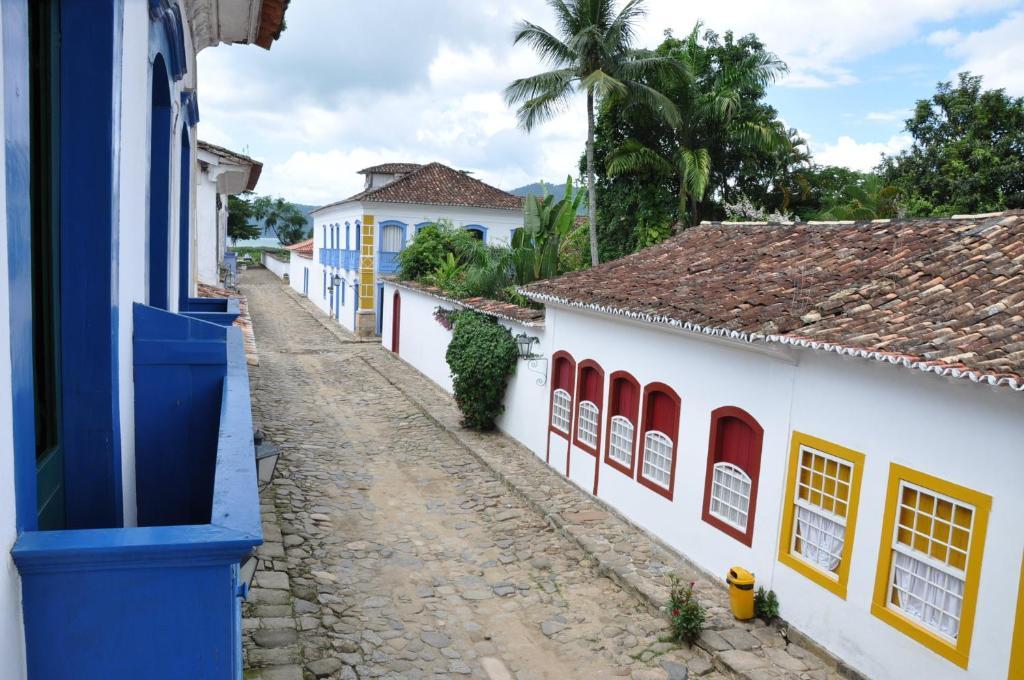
(730, 495)
(657, 458)
(621, 441)
(561, 409)
(586, 429)
(822, 502)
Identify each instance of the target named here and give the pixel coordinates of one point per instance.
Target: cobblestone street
(393, 550)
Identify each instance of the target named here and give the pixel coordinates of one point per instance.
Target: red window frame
(671, 431)
(593, 392)
(751, 466)
(629, 411)
(396, 321)
(556, 361)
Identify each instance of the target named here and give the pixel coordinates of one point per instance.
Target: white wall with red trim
(964, 433)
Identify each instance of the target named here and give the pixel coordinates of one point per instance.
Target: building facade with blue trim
(128, 493)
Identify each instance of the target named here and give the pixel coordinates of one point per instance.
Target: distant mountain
(538, 189)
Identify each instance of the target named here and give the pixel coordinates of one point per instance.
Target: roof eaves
(1011, 381)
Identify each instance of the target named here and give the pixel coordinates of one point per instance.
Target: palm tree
(709, 108)
(283, 218)
(591, 53)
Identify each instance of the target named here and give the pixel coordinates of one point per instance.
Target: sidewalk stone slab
(414, 549)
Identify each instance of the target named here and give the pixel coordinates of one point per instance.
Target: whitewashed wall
(964, 433)
(278, 267)
(12, 632)
(295, 268)
(207, 239)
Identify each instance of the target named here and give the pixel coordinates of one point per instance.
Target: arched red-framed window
(734, 465)
(563, 375)
(658, 443)
(589, 402)
(623, 417)
(396, 322)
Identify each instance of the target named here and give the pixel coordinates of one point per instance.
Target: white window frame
(621, 427)
(588, 423)
(561, 410)
(735, 473)
(657, 436)
(820, 511)
(927, 560)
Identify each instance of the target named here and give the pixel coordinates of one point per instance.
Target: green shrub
(256, 252)
(685, 612)
(481, 355)
(766, 605)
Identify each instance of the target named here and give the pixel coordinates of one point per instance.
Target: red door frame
(752, 468)
(629, 411)
(396, 322)
(556, 358)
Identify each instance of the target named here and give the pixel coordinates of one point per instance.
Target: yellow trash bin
(741, 593)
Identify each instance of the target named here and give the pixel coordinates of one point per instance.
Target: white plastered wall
(277, 267)
(12, 631)
(207, 232)
(961, 432)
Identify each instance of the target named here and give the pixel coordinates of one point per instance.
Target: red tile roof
(302, 249)
(941, 295)
(436, 184)
(271, 22)
(391, 169)
(502, 310)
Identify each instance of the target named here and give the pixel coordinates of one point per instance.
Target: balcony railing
(387, 263)
(159, 600)
(340, 259)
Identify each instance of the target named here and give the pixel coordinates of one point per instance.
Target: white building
(836, 407)
(120, 551)
(222, 173)
(359, 239)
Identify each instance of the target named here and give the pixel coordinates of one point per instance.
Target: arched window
(422, 225)
(562, 373)
(359, 236)
(343, 287)
(348, 236)
(623, 411)
(590, 396)
(658, 440)
(325, 236)
(734, 465)
(478, 231)
(159, 186)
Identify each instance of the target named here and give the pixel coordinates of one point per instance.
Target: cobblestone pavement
(399, 546)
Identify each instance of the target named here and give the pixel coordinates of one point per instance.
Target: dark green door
(45, 43)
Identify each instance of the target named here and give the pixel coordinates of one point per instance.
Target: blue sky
(354, 84)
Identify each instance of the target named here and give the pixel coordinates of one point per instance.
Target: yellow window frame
(836, 585)
(959, 651)
(1017, 642)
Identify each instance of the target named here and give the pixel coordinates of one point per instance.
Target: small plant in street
(481, 355)
(766, 605)
(685, 612)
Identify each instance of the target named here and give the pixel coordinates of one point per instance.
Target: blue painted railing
(350, 260)
(221, 311)
(340, 259)
(160, 600)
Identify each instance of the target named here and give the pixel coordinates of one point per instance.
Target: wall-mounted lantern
(336, 281)
(537, 364)
(246, 574)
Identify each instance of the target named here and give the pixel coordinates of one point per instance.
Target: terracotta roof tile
(943, 295)
(502, 310)
(302, 248)
(436, 184)
(391, 168)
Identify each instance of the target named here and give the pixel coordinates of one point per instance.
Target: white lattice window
(657, 458)
(822, 502)
(930, 547)
(620, 447)
(586, 428)
(730, 495)
(561, 409)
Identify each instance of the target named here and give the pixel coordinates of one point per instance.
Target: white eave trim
(892, 358)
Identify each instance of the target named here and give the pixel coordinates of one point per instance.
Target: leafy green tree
(868, 197)
(592, 53)
(240, 219)
(967, 154)
(537, 247)
(285, 219)
(709, 97)
(640, 207)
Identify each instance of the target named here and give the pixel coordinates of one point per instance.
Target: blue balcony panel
(350, 260)
(158, 601)
(387, 263)
(221, 311)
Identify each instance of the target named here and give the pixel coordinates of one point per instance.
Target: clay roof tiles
(391, 169)
(437, 184)
(302, 248)
(941, 295)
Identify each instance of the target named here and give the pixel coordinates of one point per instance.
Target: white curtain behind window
(821, 539)
(928, 593)
(390, 239)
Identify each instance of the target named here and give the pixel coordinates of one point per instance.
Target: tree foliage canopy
(967, 155)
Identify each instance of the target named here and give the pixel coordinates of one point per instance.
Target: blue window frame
(392, 243)
(348, 240)
(159, 184)
(359, 228)
(325, 237)
(325, 284)
(478, 230)
(421, 225)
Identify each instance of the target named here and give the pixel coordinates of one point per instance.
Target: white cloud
(898, 115)
(944, 37)
(995, 53)
(863, 156)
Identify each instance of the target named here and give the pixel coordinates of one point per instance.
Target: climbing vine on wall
(481, 355)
